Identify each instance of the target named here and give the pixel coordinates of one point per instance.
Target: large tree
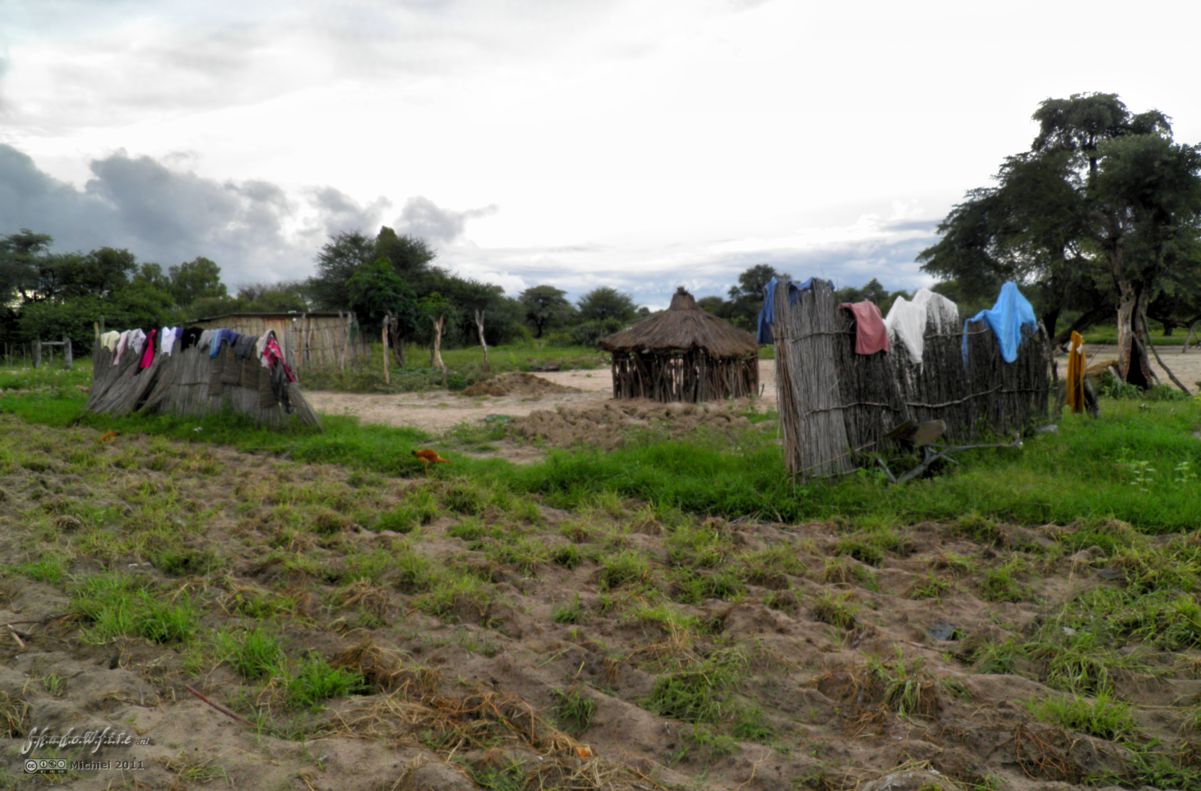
(545, 307)
(20, 255)
(346, 253)
(1094, 216)
(194, 280)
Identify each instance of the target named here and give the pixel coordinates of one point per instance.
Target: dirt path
(440, 411)
(1187, 367)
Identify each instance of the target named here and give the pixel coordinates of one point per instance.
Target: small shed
(319, 339)
(683, 354)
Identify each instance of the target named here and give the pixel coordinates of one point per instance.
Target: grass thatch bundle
(807, 330)
(683, 354)
(189, 382)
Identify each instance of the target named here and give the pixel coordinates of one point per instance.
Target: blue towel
(1006, 318)
(220, 337)
(769, 302)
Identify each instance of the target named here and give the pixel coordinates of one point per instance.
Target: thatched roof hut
(683, 354)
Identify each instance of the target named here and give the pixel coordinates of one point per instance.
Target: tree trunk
(436, 352)
(1050, 319)
(479, 326)
(1134, 366)
(387, 359)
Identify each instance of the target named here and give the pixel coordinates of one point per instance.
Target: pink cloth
(871, 335)
(272, 354)
(148, 352)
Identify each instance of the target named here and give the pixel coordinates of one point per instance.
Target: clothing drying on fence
(148, 352)
(1006, 318)
(1076, 367)
(769, 299)
(909, 320)
(109, 340)
(840, 409)
(871, 336)
(190, 371)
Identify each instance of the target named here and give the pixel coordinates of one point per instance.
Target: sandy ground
(440, 411)
(1186, 366)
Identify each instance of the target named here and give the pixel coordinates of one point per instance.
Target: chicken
(428, 457)
(108, 436)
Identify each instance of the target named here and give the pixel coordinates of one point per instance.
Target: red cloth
(871, 335)
(148, 352)
(274, 355)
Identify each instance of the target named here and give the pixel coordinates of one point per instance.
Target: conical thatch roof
(683, 326)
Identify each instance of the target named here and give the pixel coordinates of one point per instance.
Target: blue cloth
(1006, 318)
(221, 336)
(769, 303)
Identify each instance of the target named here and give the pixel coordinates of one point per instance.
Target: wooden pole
(479, 326)
(68, 359)
(387, 357)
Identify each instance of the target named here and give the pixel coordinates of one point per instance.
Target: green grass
(1062, 477)
(698, 691)
(573, 710)
(253, 654)
(117, 605)
(1082, 473)
(313, 680)
(52, 569)
(1102, 716)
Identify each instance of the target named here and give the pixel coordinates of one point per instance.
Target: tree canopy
(1100, 215)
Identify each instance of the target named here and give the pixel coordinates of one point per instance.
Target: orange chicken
(428, 457)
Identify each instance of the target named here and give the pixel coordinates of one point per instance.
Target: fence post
(37, 354)
(68, 358)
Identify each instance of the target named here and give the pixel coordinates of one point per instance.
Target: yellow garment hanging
(1075, 383)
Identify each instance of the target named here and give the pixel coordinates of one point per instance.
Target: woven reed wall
(835, 405)
(189, 382)
(306, 340)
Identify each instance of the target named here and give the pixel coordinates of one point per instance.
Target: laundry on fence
(190, 371)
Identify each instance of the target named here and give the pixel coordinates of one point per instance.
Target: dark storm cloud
(422, 218)
(157, 213)
(252, 229)
(340, 213)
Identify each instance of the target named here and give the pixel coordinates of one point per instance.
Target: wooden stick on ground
(220, 708)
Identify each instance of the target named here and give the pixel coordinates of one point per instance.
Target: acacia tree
(545, 307)
(1094, 215)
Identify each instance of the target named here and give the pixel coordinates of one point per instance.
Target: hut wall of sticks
(309, 340)
(683, 354)
(191, 382)
(838, 407)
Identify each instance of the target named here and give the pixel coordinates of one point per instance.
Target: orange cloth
(1075, 383)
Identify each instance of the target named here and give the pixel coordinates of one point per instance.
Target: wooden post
(37, 354)
(345, 343)
(479, 326)
(436, 352)
(68, 359)
(387, 357)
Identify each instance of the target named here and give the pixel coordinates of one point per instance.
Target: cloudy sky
(636, 143)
